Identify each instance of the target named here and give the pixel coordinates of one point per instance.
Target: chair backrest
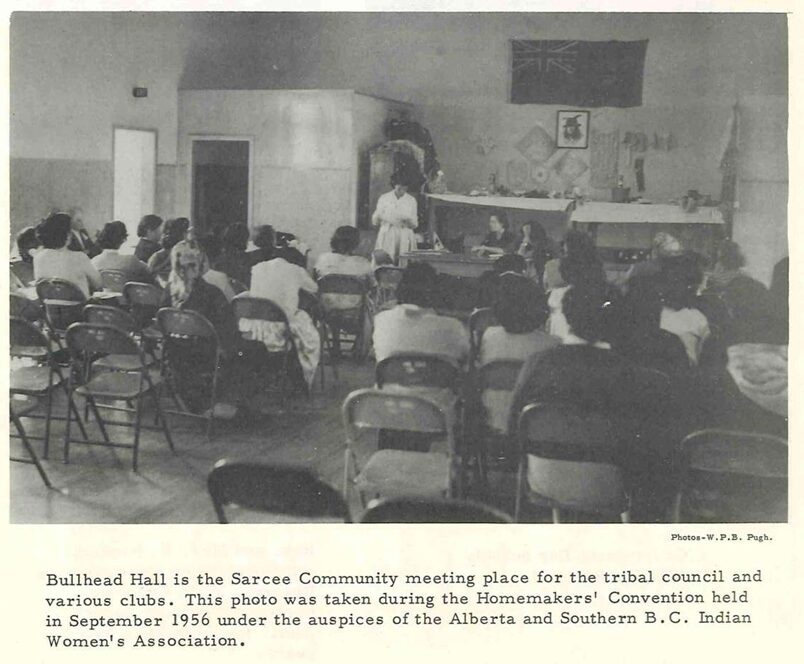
(53, 288)
(114, 280)
(733, 477)
(344, 284)
(571, 457)
(275, 489)
(424, 510)
(26, 340)
(388, 276)
(418, 370)
(86, 339)
(185, 324)
(258, 308)
(105, 315)
(143, 300)
(378, 409)
(23, 271)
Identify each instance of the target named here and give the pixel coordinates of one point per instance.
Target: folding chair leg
(161, 417)
(137, 427)
(48, 419)
(71, 406)
(67, 426)
(556, 515)
(31, 452)
(101, 425)
(520, 489)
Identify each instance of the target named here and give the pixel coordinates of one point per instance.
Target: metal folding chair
(180, 327)
(274, 489)
(259, 308)
(390, 472)
(33, 458)
(38, 380)
(419, 370)
(422, 510)
(114, 281)
(344, 303)
(144, 301)
(85, 340)
(732, 477)
(570, 457)
(63, 303)
(21, 307)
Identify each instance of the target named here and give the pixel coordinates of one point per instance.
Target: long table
(457, 265)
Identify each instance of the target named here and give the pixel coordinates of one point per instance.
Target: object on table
(639, 170)
(620, 194)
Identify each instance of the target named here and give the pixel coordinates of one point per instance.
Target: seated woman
(210, 272)
(189, 359)
(56, 260)
(232, 260)
(22, 266)
(576, 245)
(413, 326)
(679, 281)
(280, 281)
(110, 238)
(173, 232)
(582, 268)
(499, 239)
(638, 334)
(521, 311)
(149, 231)
(535, 247)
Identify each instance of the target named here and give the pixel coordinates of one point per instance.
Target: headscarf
(180, 289)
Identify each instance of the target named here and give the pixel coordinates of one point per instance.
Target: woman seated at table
(55, 260)
(499, 239)
(110, 239)
(536, 247)
(280, 281)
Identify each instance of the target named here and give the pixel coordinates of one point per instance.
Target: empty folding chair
(422, 510)
(570, 457)
(35, 375)
(344, 303)
(184, 332)
(114, 281)
(263, 309)
(274, 489)
(390, 472)
(144, 301)
(85, 340)
(732, 477)
(123, 320)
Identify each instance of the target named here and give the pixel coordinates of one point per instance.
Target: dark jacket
(89, 247)
(145, 249)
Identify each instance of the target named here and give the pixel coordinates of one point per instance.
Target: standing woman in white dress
(397, 217)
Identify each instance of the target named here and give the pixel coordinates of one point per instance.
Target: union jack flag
(577, 73)
(545, 55)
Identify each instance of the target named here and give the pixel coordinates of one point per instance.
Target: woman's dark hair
(235, 236)
(419, 285)
(502, 217)
(579, 269)
(538, 236)
(579, 244)
(211, 246)
(54, 230)
(112, 235)
(730, 256)
(265, 237)
(510, 263)
(174, 231)
(583, 308)
(520, 306)
(27, 240)
(150, 222)
(679, 280)
(345, 240)
(639, 312)
(399, 178)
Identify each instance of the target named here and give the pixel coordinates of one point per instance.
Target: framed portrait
(572, 129)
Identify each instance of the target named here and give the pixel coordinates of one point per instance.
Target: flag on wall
(577, 73)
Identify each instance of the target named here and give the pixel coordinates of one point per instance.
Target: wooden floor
(98, 485)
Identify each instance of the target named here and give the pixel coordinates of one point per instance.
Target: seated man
(413, 327)
(110, 239)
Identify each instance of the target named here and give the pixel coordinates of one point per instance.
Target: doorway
(220, 182)
(134, 157)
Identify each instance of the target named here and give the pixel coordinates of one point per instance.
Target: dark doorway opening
(220, 183)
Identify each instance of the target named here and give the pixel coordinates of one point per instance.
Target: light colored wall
(303, 158)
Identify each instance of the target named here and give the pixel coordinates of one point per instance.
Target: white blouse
(396, 211)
